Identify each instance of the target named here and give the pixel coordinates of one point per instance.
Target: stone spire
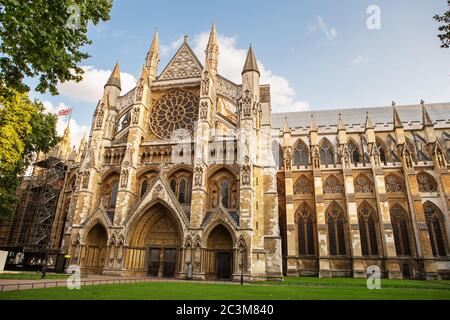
(369, 124)
(426, 120)
(250, 63)
(152, 60)
(212, 50)
(64, 145)
(114, 78)
(312, 124)
(397, 121)
(286, 128)
(341, 125)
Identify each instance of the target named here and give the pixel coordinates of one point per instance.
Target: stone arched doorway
(94, 258)
(219, 254)
(154, 248)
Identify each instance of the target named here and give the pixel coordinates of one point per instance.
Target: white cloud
(76, 130)
(90, 89)
(231, 62)
(320, 25)
(358, 60)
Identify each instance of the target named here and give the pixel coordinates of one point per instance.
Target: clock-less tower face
(174, 114)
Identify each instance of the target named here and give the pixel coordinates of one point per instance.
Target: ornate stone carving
(333, 185)
(303, 186)
(135, 117)
(100, 116)
(85, 179)
(183, 66)
(205, 83)
(246, 170)
(246, 104)
(288, 158)
(426, 183)
(176, 110)
(393, 184)
(203, 110)
(124, 178)
(316, 157)
(198, 177)
(140, 90)
(346, 159)
(363, 184)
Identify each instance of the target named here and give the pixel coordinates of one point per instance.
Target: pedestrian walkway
(19, 284)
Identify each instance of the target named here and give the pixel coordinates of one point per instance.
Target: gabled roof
(183, 65)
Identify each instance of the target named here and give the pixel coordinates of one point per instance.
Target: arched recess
(368, 229)
(223, 189)
(306, 230)
(109, 191)
(180, 182)
(384, 155)
(426, 182)
(303, 185)
(436, 229)
(154, 242)
(333, 185)
(363, 184)
(327, 153)
(301, 154)
(401, 225)
(337, 230)
(94, 257)
(219, 253)
(355, 153)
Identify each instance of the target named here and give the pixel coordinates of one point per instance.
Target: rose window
(174, 114)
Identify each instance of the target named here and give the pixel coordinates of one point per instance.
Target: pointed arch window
(400, 226)
(113, 197)
(326, 153)
(367, 221)
(305, 224)
(354, 152)
(383, 158)
(182, 191)
(436, 229)
(336, 230)
(224, 192)
(173, 185)
(144, 188)
(426, 182)
(301, 154)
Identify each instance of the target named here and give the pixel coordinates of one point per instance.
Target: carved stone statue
(85, 179)
(100, 115)
(124, 178)
(135, 118)
(198, 176)
(140, 90)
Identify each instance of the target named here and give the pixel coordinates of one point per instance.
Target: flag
(64, 112)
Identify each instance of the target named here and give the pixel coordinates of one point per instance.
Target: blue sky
(316, 54)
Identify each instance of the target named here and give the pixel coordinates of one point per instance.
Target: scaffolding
(31, 228)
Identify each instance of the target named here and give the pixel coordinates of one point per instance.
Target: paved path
(22, 284)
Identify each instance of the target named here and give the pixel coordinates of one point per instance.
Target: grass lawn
(291, 289)
(31, 276)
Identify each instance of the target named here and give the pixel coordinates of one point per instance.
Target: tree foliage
(24, 130)
(37, 41)
(445, 27)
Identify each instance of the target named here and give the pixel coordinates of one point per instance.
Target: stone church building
(190, 175)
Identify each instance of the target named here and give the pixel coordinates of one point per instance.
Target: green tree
(37, 40)
(24, 130)
(445, 27)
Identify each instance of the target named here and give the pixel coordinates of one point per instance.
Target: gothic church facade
(190, 175)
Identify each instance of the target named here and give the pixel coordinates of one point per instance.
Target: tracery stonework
(174, 111)
(143, 211)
